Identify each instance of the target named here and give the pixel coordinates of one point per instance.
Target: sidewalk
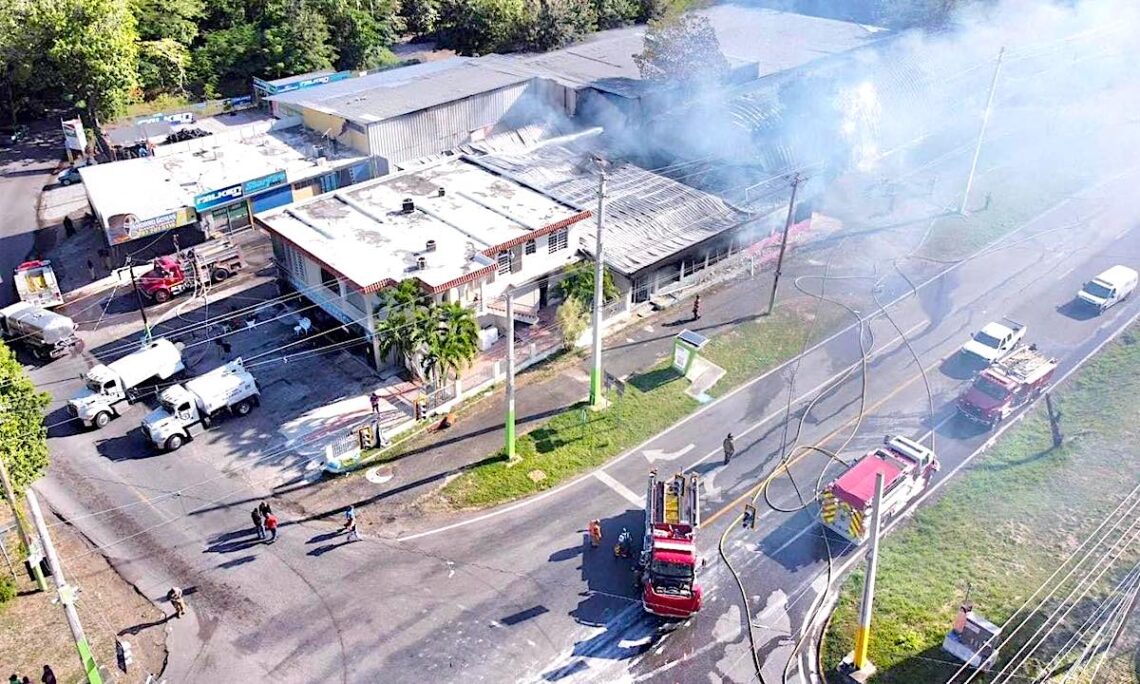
(429, 460)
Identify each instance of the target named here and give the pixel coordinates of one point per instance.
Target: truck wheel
(220, 274)
(174, 442)
(242, 408)
(162, 296)
(101, 420)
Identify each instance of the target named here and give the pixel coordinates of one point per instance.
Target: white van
(1108, 288)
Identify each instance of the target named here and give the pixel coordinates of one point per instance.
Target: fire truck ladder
(1021, 364)
(673, 501)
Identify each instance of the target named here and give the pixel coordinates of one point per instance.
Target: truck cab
(95, 404)
(163, 281)
(166, 425)
(1108, 288)
(227, 388)
(993, 341)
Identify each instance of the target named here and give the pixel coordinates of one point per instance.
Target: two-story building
(462, 232)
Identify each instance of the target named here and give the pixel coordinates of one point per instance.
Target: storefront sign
(74, 137)
(126, 227)
(256, 185)
(217, 197)
(266, 88)
(180, 117)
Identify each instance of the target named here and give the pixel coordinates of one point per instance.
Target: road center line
(627, 493)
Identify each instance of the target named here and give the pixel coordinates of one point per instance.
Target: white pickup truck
(994, 341)
(108, 385)
(200, 401)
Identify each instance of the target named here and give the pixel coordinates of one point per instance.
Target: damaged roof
(649, 217)
(364, 234)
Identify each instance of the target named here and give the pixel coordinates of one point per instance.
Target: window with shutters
(531, 247)
(558, 240)
(504, 260)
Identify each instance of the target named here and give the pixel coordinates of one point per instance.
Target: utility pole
(138, 298)
(599, 280)
(863, 631)
(67, 593)
(783, 243)
(21, 527)
(982, 132)
(510, 373)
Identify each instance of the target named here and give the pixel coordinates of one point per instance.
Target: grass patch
(1014, 203)
(579, 439)
(1003, 526)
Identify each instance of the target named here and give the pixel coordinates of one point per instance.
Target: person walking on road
(258, 522)
(729, 448)
(374, 399)
(176, 600)
(271, 526)
(697, 308)
(48, 676)
(264, 508)
(353, 531)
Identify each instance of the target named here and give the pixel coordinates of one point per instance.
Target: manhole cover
(378, 475)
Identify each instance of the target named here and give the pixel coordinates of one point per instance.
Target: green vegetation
(578, 283)
(572, 320)
(23, 437)
(7, 590)
(579, 439)
(1004, 525)
(431, 340)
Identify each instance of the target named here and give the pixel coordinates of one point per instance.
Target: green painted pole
(67, 593)
(510, 373)
(599, 275)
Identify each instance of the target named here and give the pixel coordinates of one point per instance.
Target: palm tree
(403, 330)
(453, 342)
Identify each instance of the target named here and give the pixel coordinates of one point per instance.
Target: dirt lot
(34, 631)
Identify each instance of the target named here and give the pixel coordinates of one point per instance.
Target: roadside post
(511, 455)
(67, 593)
(856, 667)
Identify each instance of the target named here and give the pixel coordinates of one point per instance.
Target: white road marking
(661, 455)
(640, 447)
(949, 269)
(621, 489)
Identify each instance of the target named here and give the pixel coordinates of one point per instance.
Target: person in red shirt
(271, 526)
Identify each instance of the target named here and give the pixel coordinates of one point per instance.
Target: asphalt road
(24, 169)
(513, 607)
(515, 594)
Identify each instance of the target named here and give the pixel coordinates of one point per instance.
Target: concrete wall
(330, 124)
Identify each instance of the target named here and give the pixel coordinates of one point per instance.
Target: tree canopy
(23, 436)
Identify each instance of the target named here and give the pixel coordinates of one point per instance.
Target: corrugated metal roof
(771, 40)
(389, 94)
(648, 217)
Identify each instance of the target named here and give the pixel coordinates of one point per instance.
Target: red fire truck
(1007, 385)
(669, 553)
(846, 504)
(209, 262)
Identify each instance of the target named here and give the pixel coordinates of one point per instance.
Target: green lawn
(1003, 525)
(578, 440)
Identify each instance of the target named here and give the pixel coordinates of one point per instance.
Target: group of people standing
(264, 522)
(47, 678)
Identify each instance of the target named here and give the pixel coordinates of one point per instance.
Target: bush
(7, 590)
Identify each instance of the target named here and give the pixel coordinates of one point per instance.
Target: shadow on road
(1077, 310)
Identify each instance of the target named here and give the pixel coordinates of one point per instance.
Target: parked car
(70, 176)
